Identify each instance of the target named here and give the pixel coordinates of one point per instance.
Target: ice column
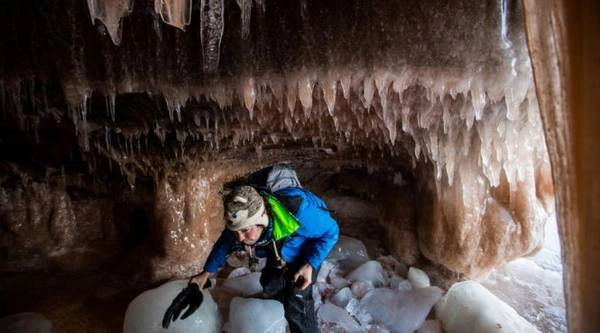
(177, 13)
(110, 13)
(211, 32)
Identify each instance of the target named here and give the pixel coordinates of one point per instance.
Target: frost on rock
(469, 307)
(401, 311)
(144, 314)
(252, 315)
(110, 13)
(29, 322)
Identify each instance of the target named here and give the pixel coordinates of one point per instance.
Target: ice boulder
(342, 297)
(468, 307)
(324, 270)
(431, 326)
(245, 285)
(370, 271)
(418, 278)
(348, 253)
(253, 315)
(360, 288)
(331, 313)
(25, 322)
(401, 311)
(145, 313)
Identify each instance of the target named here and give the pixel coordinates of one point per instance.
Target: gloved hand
(190, 297)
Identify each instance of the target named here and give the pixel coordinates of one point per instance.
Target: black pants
(298, 304)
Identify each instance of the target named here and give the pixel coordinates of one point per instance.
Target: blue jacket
(311, 243)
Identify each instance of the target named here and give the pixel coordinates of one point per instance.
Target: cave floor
(75, 302)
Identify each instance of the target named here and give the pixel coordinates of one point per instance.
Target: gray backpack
(274, 178)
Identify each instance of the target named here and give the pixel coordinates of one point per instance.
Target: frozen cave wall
(163, 102)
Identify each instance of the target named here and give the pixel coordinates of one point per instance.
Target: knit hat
(245, 207)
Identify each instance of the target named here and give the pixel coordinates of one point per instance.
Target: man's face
(249, 235)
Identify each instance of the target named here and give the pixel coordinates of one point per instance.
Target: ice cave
(455, 143)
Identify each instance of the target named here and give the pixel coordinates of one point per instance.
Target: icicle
(110, 105)
(249, 95)
(345, 82)
(504, 41)
(107, 138)
(246, 11)
(305, 88)
(84, 124)
(177, 13)
(329, 87)
(261, 5)
(478, 100)
(110, 13)
(211, 32)
(291, 94)
(368, 92)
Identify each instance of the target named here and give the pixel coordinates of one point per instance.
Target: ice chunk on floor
(144, 314)
(331, 313)
(240, 271)
(348, 253)
(418, 278)
(401, 311)
(369, 271)
(245, 285)
(253, 315)
(324, 270)
(404, 285)
(25, 322)
(470, 307)
(342, 297)
(360, 288)
(431, 326)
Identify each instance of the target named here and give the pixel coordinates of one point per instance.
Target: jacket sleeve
(322, 246)
(314, 249)
(220, 252)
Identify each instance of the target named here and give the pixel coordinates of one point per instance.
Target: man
(294, 230)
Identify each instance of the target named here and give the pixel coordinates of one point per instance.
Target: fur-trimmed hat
(245, 207)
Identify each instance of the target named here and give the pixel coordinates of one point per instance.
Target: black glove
(190, 297)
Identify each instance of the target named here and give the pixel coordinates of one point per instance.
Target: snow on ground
(533, 286)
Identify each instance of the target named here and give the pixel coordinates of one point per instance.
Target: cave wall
(445, 89)
(566, 68)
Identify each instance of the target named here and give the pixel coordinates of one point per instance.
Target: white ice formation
(145, 313)
(110, 13)
(469, 307)
(401, 311)
(25, 322)
(252, 315)
(418, 278)
(243, 282)
(360, 307)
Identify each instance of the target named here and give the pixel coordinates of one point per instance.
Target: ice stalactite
(110, 13)
(177, 13)
(246, 14)
(211, 32)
